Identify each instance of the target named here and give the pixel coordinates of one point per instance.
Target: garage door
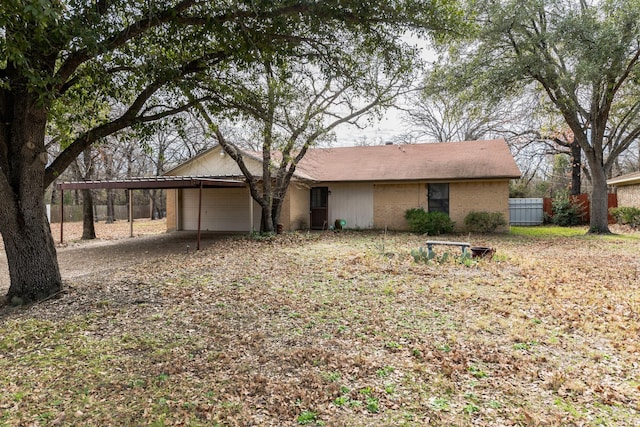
(223, 209)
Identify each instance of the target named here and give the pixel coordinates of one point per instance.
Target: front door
(319, 207)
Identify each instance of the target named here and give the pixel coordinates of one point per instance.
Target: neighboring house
(368, 187)
(627, 189)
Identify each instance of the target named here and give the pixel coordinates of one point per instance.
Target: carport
(148, 183)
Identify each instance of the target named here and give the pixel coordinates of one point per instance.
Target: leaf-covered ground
(336, 329)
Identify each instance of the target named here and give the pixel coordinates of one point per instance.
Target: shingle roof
(628, 179)
(434, 161)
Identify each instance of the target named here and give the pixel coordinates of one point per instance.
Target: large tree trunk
(266, 222)
(599, 222)
(29, 246)
(88, 228)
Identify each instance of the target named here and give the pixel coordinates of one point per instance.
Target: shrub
(626, 215)
(484, 222)
(566, 212)
(431, 223)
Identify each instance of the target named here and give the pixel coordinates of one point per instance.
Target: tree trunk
(599, 210)
(276, 208)
(266, 223)
(29, 245)
(599, 204)
(154, 195)
(31, 256)
(111, 215)
(88, 228)
(576, 168)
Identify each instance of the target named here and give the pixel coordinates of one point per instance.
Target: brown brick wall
(171, 210)
(629, 195)
(489, 196)
(390, 201)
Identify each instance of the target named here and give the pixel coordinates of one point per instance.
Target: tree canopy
(583, 56)
(98, 67)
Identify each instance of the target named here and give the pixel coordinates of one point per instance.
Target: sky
(379, 132)
(391, 125)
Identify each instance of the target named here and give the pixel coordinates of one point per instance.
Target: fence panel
(526, 211)
(584, 202)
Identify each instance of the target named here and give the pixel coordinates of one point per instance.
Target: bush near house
(484, 222)
(431, 223)
(626, 215)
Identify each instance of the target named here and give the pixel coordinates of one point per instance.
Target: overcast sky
(391, 125)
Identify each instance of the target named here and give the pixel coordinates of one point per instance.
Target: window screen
(438, 197)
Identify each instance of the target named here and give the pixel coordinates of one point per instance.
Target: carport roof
(156, 182)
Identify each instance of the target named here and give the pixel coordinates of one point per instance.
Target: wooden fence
(584, 202)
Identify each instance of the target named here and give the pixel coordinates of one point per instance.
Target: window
(319, 197)
(438, 197)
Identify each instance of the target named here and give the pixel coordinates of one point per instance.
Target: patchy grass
(551, 232)
(337, 329)
(548, 231)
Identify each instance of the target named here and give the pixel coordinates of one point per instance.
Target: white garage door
(353, 203)
(223, 209)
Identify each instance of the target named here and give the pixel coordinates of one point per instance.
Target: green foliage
(529, 188)
(431, 223)
(307, 417)
(422, 255)
(626, 215)
(484, 222)
(373, 405)
(425, 256)
(566, 213)
(544, 232)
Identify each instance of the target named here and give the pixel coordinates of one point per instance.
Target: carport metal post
(199, 215)
(250, 213)
(61, 216)
(130, 212)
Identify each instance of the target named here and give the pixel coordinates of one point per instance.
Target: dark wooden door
(319, 207)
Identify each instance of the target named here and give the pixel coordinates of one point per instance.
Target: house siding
(352, 203)
(298, 207)
(223, 209)
(488, 196)
(629, 195)
(285, 212)
(214, 164)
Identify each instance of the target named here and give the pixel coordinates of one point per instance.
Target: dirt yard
(113, 248)
(331, 329)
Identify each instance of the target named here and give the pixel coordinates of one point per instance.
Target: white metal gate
(526, 211)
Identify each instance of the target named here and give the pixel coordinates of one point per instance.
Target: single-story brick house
(627, 189)
(368, 187)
